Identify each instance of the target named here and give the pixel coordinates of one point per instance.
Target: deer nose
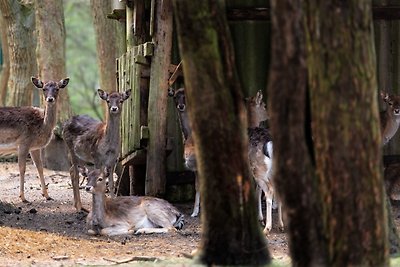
(114, 109)
(50, 99)
(181, 107)
(397, 111)
(88, 188)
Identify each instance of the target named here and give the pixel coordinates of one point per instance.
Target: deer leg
(37, 160)
(22, 153)
(74, 173)
(268, 216)
(280, 216)
(196, 208)
(259, 202)
(111, 181)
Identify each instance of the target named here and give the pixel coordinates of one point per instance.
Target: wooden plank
(156, 157)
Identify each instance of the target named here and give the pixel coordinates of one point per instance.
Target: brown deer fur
(29, 129)
(92, 141)
(127, 215)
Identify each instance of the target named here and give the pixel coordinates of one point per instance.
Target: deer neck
(391, 125)
(98, 208)
(50, 116)
(184, 123)
(112, 129)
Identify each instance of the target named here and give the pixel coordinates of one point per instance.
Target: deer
(127, 214)
(390, 118)
(26, 130)
(95, 142)
(189, 148)
(260, 155)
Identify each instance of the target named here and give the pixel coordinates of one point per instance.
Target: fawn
(92, 141)
(29, 129)
(127, 214)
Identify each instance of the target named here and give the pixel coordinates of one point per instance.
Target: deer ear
(259, 97)
(385, 96)
(126, 94)
(106, 172)
(63, 83)
(103, 95)
(171, 92)
(83, 171)
(36, 82)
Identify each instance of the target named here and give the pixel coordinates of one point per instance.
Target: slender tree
(231, 233)
(51, 65)
(106, 44)
(19, 20)
(326, 132)
(5, 66)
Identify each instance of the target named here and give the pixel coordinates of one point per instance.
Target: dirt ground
(52, 233)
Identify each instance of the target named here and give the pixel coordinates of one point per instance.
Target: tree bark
(51, 65)
(231, 233)
(19, 19)
(340, 185)
(5, 68)
(106, 41)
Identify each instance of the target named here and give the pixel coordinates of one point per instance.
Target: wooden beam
(389, 12)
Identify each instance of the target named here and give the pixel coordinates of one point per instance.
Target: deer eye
(100, 179)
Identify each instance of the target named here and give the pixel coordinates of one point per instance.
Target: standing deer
(390, 118)
(92, 141)
(189, 149)
(260, 159)
(127, 214)
(29, 129)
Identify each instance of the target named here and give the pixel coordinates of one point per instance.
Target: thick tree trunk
(347, 220)
(51, 64)
(289, 121)
(231, 233)
(19, 19)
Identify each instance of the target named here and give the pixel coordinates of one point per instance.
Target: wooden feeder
(118, 10)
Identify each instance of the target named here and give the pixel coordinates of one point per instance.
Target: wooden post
(157, 112)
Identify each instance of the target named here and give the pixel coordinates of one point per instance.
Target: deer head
(50, 89)
(95, 181)
(179, 98)
(393, 102)
(114, 100)
(256, 109)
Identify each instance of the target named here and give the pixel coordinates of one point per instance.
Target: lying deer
(127, 214)
(390, 118)
(260, 159)
(92, 141)
(189, 149)
(28, 129)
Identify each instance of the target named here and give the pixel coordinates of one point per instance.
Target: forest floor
(52, 233)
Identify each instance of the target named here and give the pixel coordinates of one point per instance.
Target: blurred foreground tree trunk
(5, 66)
(327, 144)
(231, 232)
(51, 65)
(19, 20)
(106, 45)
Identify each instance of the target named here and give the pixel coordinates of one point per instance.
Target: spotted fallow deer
(390, 118)
(28, 129)
(96, 142)
(127, 214)
(260, 159)
(189, 149)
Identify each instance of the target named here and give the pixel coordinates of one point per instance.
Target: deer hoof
(49, 198)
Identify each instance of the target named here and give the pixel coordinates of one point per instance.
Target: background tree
(5, 66)
(231, 233)
(51, 66)
(19, 19)
(106, 40)
(330, 169)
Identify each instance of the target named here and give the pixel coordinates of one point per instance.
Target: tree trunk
(19, 19)
(106, 41)
(51, 64)
(5, 68)
(231, 233)
(340, 185)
